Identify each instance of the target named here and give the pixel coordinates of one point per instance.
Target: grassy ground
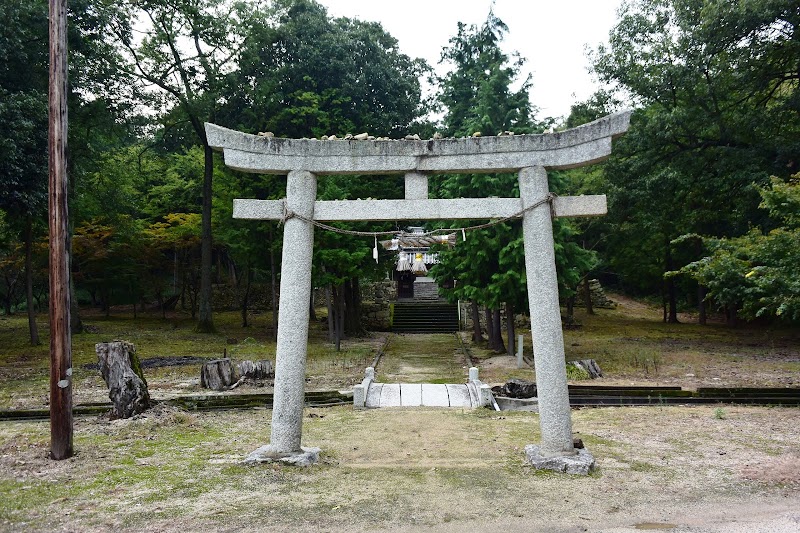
(413, 468)
(24, 370)
(633, 346)
(411, 358)
(630, 343)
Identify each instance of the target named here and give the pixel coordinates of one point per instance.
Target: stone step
(420, 395)
(424, 317)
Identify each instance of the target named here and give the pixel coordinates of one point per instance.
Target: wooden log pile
(224, 374)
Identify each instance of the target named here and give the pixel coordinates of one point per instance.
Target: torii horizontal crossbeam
(576, 147)
(453, 209)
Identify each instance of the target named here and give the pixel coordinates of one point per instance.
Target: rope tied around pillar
(549, 198)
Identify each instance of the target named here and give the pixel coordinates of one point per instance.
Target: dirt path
(418, 358)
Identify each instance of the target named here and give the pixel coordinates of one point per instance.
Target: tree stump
(123, 374)
(256, 369)
(219, 374)
(590, 366)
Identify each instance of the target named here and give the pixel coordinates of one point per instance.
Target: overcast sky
(551, 34)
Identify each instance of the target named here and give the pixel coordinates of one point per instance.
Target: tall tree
(185, 49)
(305, 74)
(23, 126)
(717, 82)
(478, 95)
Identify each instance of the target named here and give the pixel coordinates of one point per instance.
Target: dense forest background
(704, 190)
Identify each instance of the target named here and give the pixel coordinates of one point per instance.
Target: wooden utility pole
(60, 336)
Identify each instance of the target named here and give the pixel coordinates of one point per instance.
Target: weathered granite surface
(292, 345)
(435, 209)
(581, 463)
(548, 339)
(269, 454)
(586, 144)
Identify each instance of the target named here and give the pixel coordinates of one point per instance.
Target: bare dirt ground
(408, 470)
(687, 469)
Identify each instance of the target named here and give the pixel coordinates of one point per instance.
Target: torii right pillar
(556, 451)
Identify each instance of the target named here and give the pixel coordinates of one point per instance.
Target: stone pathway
(421, 395)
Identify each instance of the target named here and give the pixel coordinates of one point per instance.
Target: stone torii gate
(529, 155)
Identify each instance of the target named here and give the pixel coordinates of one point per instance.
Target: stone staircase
(426, 290)
(415, 316)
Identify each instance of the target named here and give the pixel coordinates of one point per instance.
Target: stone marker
(123, 374)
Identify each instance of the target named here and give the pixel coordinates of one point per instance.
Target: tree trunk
(10, 285)
(312, 313)
(490, 342)
(510, 329)
(731, 317)
(248, 279)
(123, 374)
(672, 301)
(218, 374)
(329, 303)
(587, 297)
(205, 323)
(702, 317)
(352, 313)
(274, 282)
(571, 309)
(497, 324)
(339, 317)
(476, 322)
(106, 296)
(32, 328)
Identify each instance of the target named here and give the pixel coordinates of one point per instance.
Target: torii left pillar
(293, 314)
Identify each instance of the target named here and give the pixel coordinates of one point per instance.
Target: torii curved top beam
(584, 145)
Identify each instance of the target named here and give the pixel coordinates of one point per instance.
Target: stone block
(359, 396)
(411, 394)
(268, 454)
(390, 395)
(459, 396)
(435, 395)
(485, 396)
(374, 395)
(581, 463)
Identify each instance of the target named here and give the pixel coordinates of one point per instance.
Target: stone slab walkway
(420, 395)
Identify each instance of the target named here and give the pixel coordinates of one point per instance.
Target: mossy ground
(418, 468)
(631, 344)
